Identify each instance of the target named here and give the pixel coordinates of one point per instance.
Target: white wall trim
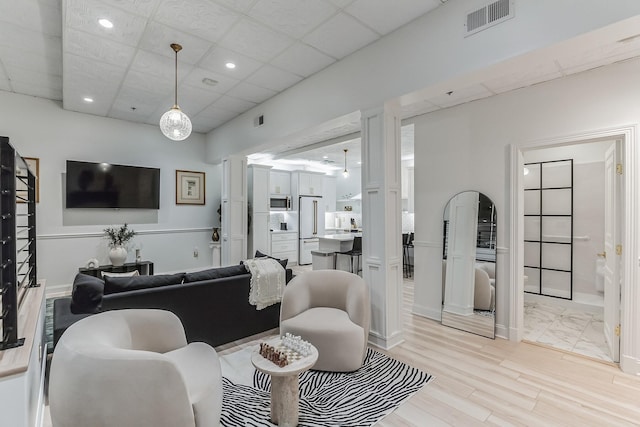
(140, 232)
(388, 343)
(427, 312)
(630, 304)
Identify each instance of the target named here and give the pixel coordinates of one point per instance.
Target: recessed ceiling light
(359, 163)
(87, 99)
(325, 157)
(105, 23)
(209, 82)
(230, 65)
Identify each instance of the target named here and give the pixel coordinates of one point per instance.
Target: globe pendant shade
(175, 124)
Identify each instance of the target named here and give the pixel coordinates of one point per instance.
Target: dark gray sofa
(215, 310)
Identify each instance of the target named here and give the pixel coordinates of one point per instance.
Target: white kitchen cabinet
(258, 195)
(280, 182)
(329, 193)
(285, 245)
(307, 183)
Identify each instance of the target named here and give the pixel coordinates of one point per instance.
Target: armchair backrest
(328, 288)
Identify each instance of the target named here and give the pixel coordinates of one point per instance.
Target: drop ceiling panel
(341, 3)
(255, 40)
(149, 83)
(213, 112)
(224, 83)
(340, 36)
(157, 38)
(25, 40)
(140, 7)
(98, 48)
(273, 78)
(234, 104)
(216, 59)
(242, 6)
(83, 69)
(139, 104)
(198, 99)
(84, 14)
(4, 84)
(379, 16)
(418, 108)
(153, 64)
(302, 60)
(32, 77)
(41, 17)
(202, 18)
(250, 92)
(292, 17)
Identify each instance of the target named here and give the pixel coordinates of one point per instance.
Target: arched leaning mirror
(469, 264)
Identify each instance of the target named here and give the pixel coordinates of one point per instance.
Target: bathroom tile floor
(567, 329)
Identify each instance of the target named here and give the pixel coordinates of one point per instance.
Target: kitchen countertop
(341, 236)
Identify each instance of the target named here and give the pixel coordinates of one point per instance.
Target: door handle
(603, 254)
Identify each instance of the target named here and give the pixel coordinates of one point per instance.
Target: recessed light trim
(230, 65)
(105, 23)
(87, 99)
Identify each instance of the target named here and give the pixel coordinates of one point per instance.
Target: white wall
(475, 156)
(68, 238)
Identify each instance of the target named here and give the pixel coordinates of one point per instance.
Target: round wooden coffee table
(284, 384)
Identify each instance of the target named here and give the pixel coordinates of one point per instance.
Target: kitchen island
(330, 245)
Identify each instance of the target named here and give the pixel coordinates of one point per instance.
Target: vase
(215, 236)
(117, 255)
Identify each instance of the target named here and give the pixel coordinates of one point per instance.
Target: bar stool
(407, 243)
(355, 253)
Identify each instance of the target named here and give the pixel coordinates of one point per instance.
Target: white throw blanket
(267, 281)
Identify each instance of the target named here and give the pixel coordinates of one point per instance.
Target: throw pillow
(114, 285)
(128, 274)
(283, 262)
(215, 273)
(86, 296)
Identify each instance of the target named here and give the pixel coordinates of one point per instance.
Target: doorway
(572, 210)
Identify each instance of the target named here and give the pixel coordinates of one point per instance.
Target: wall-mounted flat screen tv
(105, 185)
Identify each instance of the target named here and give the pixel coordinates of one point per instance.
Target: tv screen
(105, 185)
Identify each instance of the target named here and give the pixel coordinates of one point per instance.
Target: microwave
(280, 202)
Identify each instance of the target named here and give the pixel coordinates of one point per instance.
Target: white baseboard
(630, 365)
(55, 291)
(386, 343)
(502, 332)
(427, 312)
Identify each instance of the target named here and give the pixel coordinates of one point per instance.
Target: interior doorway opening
(572, 221)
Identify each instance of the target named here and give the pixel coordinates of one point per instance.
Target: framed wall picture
(190, 188)
(21, 188)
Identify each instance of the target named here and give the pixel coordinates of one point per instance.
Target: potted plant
(118, 237)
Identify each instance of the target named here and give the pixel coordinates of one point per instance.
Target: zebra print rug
(327, 399)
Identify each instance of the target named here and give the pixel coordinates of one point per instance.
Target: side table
(143, 267)
(284, 384)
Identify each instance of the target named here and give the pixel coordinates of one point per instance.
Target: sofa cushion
(86, 296)
(114, 285)
(283, 262)
(215, 273)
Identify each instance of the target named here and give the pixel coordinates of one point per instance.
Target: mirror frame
(462, 307)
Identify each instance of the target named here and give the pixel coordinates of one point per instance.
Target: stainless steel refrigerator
(310, 226)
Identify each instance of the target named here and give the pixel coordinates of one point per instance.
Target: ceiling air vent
(488, 16)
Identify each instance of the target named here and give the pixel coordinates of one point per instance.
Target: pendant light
(345, 173)
(175, 124)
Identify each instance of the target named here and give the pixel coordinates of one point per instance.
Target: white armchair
(331, 309)
(133, 368)
(484, 291)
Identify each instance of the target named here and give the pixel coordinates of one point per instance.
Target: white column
(234, 209)
(382, 222)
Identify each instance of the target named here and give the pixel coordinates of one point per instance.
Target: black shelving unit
(18, 270)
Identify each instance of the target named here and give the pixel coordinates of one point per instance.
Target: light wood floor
(480, 381)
